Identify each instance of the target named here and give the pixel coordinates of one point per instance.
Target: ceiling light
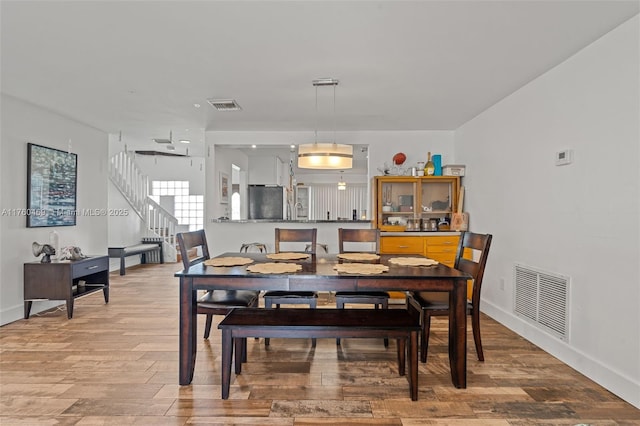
(342, 185)
(185, 141)
(165, 141)
(325, 155)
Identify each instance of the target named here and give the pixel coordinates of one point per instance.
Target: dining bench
(142, 249)
(401, 324)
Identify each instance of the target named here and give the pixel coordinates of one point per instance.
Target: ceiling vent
(163, 141)
(224, 104)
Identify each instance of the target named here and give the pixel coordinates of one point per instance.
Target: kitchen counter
(420, 234)
(286, 221)
(229, 235)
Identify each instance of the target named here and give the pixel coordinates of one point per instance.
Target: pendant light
(325, 155)
(342, 185)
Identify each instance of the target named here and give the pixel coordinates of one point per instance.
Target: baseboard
(600, 373)
(16, 313)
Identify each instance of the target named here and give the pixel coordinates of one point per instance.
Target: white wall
(21, 123)
(582, 219)
(174, 168)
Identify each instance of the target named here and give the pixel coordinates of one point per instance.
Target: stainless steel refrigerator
(266, 202)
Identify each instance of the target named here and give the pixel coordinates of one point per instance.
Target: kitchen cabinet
(268, 171)
(301, 204)
(400, 199)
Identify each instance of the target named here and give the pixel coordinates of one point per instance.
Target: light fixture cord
(335, 139)
(316, 134)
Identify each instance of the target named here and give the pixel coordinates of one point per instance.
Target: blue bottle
(437, 165)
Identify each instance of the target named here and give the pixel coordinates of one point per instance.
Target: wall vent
(542, 298)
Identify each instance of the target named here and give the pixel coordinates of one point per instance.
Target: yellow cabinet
(443, 249)
(399, 199)
(402, 245)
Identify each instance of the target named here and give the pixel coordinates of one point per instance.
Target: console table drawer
(89, 266)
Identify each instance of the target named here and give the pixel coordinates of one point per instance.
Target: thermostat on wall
(564, 157)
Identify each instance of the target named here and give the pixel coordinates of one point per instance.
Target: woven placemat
(358, 256)
(274, 268)
(413, 261)
(287, 256)
(361, 268)
(228, 261)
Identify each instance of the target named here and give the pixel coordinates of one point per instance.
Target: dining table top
(321, 265)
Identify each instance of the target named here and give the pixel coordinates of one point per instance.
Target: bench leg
(122, 265)
(227, 352)
(413, 365)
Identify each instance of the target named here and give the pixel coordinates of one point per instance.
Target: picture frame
(52, 182)
(224, 188)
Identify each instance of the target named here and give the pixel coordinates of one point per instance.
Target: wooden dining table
(318, 274)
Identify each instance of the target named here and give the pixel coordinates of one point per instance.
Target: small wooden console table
(65, 280)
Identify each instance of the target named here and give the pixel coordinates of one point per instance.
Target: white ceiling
(138, 67)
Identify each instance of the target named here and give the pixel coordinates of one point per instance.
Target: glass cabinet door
(438, 197)
(396, 202)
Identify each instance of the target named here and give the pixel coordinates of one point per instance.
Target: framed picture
(224, 188)
(52, 177)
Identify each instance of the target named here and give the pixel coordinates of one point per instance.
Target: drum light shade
(325, 156)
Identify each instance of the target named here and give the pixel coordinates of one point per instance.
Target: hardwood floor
(117, 364)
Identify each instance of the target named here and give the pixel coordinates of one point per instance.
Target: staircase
(134, 187)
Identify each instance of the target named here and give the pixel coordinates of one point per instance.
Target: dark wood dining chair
(271, 298)
(213, 302)
(369, 239)
(431, 304)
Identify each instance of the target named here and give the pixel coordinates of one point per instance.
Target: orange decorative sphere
(399, 158)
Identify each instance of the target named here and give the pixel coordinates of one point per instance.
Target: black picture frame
(52, 182)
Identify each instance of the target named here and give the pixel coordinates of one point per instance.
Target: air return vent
(543, 299)
(224, 104)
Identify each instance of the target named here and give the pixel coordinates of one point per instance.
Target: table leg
(402, 345)
(70, 307)
(458, 334)
(238, 343)
(188, 330)
(227, 354)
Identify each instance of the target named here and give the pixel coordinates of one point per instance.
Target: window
(187, 209)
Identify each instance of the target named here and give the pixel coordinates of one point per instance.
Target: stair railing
(134, 187)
